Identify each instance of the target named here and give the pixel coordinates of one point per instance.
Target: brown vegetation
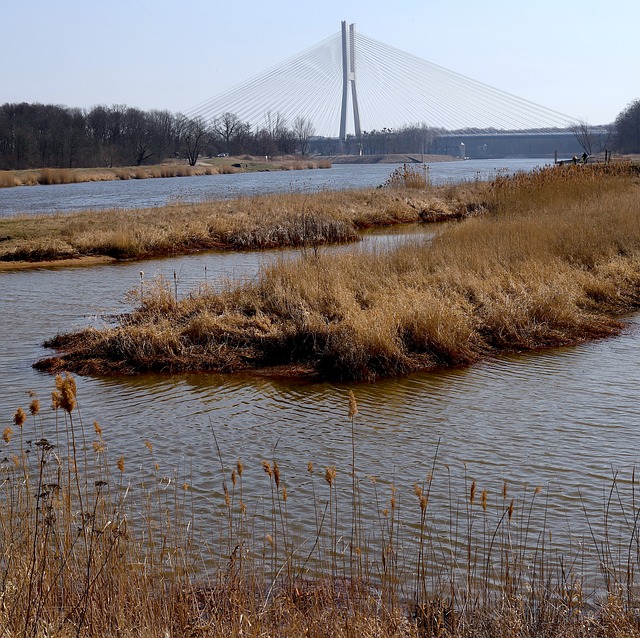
(91, 546)
(79, 175)
(554, 264)
(259, 222)
(173, 169)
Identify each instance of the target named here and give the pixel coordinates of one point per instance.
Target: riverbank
(555, 262)
(247, 223)
(391, 158)
(213, 166)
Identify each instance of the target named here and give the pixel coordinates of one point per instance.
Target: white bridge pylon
(389, 88)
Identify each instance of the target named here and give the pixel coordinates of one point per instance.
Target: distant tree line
(47, 135)
(627, 127)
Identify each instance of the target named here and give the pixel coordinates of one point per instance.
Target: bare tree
(584, 135)
(276, 128)
(195, 135)
(224, 127)
(303, 129)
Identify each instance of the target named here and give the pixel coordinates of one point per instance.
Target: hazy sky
(579, 58)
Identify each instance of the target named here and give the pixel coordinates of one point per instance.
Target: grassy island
(247, 223)
(553, 260)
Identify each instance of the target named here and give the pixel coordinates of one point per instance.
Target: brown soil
(89, 260)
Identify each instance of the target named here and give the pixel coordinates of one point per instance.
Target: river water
(564, 419)
(157, 192)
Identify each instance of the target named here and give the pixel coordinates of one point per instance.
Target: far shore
(210, 166)
(392, 158)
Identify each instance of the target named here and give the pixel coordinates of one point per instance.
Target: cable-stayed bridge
(350, 83)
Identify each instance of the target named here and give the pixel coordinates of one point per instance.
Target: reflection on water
(562, 418)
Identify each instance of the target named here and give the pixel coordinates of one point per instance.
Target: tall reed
(93, 547)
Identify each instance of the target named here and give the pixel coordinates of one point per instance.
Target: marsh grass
(32, 177)
(409, 176)
(48, 176)
(93, 546)
(554, 263)
(259, 222)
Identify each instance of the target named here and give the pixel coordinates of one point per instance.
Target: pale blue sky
(579, 58)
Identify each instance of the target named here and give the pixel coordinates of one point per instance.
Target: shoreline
(81, 261)
(211, 166)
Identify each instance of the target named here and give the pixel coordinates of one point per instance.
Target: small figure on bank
(575, 159)
(584, 157)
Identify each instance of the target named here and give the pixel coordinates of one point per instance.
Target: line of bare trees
(47, 135)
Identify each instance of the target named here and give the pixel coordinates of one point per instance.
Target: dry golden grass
(554, 264)
(78, 175)
(94, 546)
(32, 177)
(246, 223)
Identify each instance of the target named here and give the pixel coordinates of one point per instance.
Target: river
(564, 419)
(160, 191)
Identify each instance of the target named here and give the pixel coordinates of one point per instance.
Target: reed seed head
(510, 512)
(472, 494)
(284, 493)
(34, 407)
(310, 467)
(234, 477)
(353, 405)
(276, 473)
(19, 417)
(266, 466)
(239, 467)
(121, 463)
(424, 501)
(483, 500)
(67, 390)
(97, 428)
(504, 489)
(7, 434)
(98, 447)
(330, 475)
(149, 446)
